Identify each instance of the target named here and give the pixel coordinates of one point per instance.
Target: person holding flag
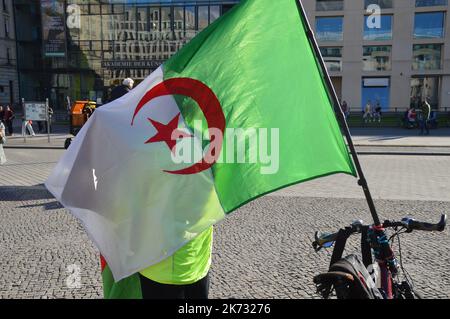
(184, 275)
(254, 68)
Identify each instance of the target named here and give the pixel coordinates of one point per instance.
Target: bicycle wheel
(417, 295)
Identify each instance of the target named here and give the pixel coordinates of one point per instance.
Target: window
(329, 28)
(383, 31)
(190, 21)
(429, 3)
(202, 17)
(329, 5)
(332, 57)
(5, 7)
(376, 92)
(429, 25)
(383, 4)
(426, 56)
(6, 27)
(377, 58)
(214, 13)
(166, 19)
(143, 19)
(94, 9)
(154, 19)
(178, 17)
(8, 55)
(422, 87)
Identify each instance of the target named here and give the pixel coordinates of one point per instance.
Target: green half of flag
(259, 62)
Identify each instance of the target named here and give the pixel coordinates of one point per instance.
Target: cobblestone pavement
(263, 250)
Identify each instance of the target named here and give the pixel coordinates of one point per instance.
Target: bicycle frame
(386, 279)
(375, 245)
(384, 256)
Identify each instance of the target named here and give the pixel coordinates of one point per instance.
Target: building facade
(82, 48)
(9, 92)
(391, 52)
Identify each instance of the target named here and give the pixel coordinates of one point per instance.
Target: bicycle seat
(332, 277)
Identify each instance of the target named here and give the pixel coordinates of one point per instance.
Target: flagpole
(340, 115)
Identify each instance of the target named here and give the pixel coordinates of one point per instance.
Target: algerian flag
(126, 174)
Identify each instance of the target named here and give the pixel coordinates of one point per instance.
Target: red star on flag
(166, 131)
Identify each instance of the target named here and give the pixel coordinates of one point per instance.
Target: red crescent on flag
(208, 103)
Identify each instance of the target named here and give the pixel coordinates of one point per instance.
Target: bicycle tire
(417, 295)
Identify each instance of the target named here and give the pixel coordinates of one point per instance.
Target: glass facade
(329, 5)
(332, 57)
(429, 3)
(374, 32)
(329, 28)
(429, 25)
(102, 42)
(426, 57)
(377, 58)
(376, 92)
(422, 87)
(383, 4)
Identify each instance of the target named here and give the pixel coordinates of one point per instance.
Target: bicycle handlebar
(409, 223)
(412, 224)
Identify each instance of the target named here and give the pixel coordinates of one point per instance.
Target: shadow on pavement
(397, 132)
(29, 193)
(386, 138)
(47, 206)
(24, 193)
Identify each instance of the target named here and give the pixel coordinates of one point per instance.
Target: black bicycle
(353, 278)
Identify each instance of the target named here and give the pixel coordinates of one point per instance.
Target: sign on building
(53, 28)
(131, 64)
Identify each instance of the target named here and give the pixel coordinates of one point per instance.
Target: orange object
(79, 114)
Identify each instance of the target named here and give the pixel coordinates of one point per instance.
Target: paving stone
(263, 250)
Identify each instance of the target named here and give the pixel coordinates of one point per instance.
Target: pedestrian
(48, 124)
(27, 127)
(411, 117)
(377, 113)
(121, 90)
(2, 112)
(345, 109)
(184, 275)
(367, 112)
(424, 117)
(2, 141)
(8, 118)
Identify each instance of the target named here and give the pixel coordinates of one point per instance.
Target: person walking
(2, 142)
(345, 109)
(121, 90)
(424, 117)
(27, 126)
(2, 112)
(8, 118)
